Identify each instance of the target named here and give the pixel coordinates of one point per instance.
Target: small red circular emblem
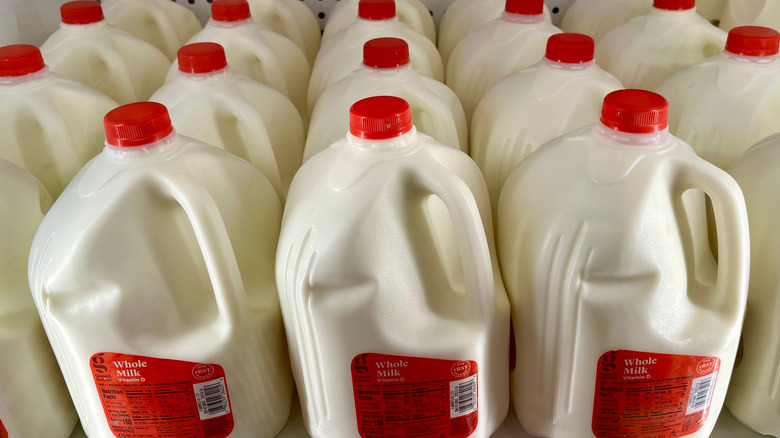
(202, 371)
(461, 369)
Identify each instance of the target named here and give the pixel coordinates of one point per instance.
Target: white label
(701, 393)
(212, 398)
(463, 397)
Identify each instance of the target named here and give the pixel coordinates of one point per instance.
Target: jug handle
(410, 17)
(115, 63)
(442, 118)
(165, 25)
(271, 70)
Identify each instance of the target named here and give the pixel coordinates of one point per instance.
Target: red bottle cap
(386, 53)
(20, 60)
(81, 12)
(525, 7)
(674, 5)
(753, 41)
(201, 58)
(570, 48)
(376, 9)
(230, 10)
(380, 118)
(635, 111)
(137, 124)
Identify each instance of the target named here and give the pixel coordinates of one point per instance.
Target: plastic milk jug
(435, 109)
(165, 24)
(396, 318)
(153, 275)
(255, 51)
(342, 53)
(291, 18)
(725, 104)
(750, 12)
(597, 17)
(646, 50)
(753, 396)
(623, 323)
(209, 102)
(502, 47)
(35, 401)
(49, 125)
(27, 21)
(87, 49)
(556, 96)
(412, 13)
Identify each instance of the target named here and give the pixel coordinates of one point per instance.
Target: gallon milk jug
(750, 12)
(597, 17)
(753, 396)
(412, 13)
(624, 326)
(342, 53)
(28, 21)
(562, 93)
(643, 52)
(502, 47)
(725, 104)
(255, 51)
(400, 225)
(34, 400)
(290, 18)
(162, 23)
(209, 102)
(153, 275)
(49, 125)
(386, 70)
(87, 49)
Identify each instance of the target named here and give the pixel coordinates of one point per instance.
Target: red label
(3, 432)
(650, 395)
(147, 397)
(409, 397)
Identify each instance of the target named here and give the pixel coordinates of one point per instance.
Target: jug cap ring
(674, 5)
(380, 118)
(230, 10)
(386, 53)
(20, 60)
(376, 9)
(753, 41)
(635, 111)
(81, 12)
(137, 124)
(524, 7)
(198, 58)
(570, 48)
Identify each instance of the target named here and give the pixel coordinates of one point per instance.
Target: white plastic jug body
(613, 287)
(416, 208)
(35, 400)
(412, 13)
(724, 104)
(27, 21)
(51, 126)
(241, 116)
(121, 66)
(291, 18)
(530, 108)
(750, 13)
(153, 273)
(597, 17)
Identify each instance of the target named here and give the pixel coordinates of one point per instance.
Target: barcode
(463, 396)
(701, 393)
(212, 398)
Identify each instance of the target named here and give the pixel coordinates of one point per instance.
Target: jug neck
(522, 19)
(753, 61)
(230, 24)
(29, 79)
(212, 76)
(366, 21)
(674, 14)
(568, 67)
(84, 28)
(618, 138)
(396, 72)
(404, 142)
(160, 149)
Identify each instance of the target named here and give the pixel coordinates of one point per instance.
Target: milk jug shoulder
(613, 286)
(291, 18)
(386, 70)
(556, 96)
(412, 13)
(32, 377)
(750, 12)
(500, 48)
(646, 50)
(342, 53)
(87, 49)
(50, 126)
(597, 17)
(387, 281)
(726, 103)
(153, 275)
(211, 103)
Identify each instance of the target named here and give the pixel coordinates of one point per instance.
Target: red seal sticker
(650, 395)
(145, 397)
(410, 397)
(3, 432)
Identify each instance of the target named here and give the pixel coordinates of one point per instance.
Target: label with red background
(3, 432)
(410, 397)
(145, 397)
(650, 395)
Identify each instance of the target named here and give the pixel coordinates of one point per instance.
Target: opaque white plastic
(172, 249)
(412, 13)
(28, 21)
(646, 50)
(34, 400)
(528, 109)
(292, 19)
(123, 67)
(712, 10)
(597, 17)
(594, 225)
(750, 13)
(386, 247)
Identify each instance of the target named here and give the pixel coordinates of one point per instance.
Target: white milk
(291, 18)
(87, 49)
(618, 308)
(50, 126)
(750, 12)
(385, 259)
(753, 396)
(597, 17)
(209, 102)
(255, 51)
(646, 50)
(500, 48)
(35, 401)
(153, 275)
(342, 53)
(165, 24)
(412, 13)
(386, 70)
(725, 104)
(561, 93)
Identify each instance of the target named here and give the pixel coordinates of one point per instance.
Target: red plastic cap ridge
(525, 7)
(753, 41)
(674, 5)
(20, 60)
(635, 111)
(230, 10)
(81, 12)
(201, 58)
(376, 9)
(380, 118)
(137, 124)
(570, 48)
(386, 53)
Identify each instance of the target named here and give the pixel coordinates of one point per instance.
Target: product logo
(202, 371)
(359, 364)
(706, 365)
(98, 364)
(461, 369)
(608, 362)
